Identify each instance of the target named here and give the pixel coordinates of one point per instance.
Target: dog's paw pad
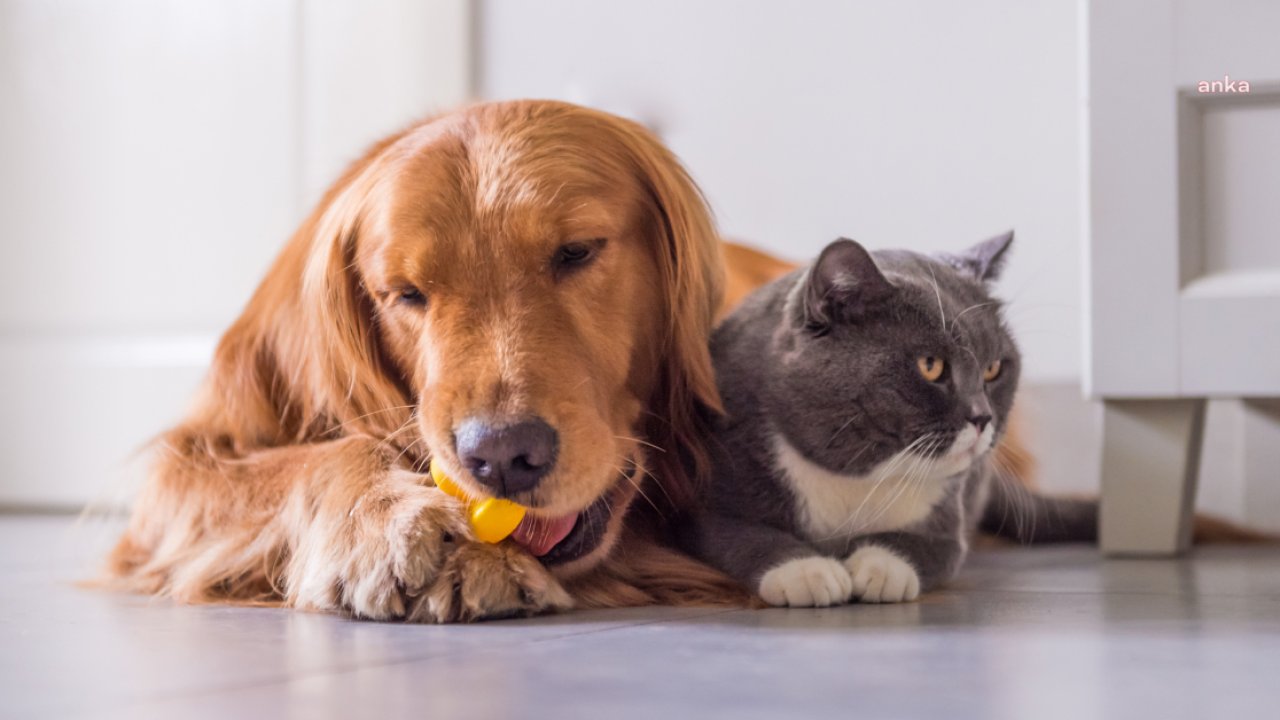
(481, 581)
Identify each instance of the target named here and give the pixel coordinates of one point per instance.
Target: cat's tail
(1015, 512)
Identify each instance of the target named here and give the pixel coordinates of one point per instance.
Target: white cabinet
(1183, 249)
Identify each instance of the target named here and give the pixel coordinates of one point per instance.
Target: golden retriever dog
(521, 291)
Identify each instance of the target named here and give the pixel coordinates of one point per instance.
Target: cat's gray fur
(818, 371)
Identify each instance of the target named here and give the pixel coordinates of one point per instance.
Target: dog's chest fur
(832, 506)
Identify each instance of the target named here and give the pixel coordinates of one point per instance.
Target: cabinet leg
(1150, 461)
(1261, 463)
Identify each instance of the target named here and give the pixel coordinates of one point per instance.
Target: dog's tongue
(538, 534)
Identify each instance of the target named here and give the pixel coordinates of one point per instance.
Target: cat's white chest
(831, 506)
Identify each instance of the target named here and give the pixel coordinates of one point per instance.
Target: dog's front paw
(880, 576)
(806, 582)
(482, 581)
(386, 551)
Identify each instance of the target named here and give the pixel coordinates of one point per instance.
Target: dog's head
(532, 283)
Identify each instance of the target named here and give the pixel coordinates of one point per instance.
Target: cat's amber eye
(992, 372)
(931, 367)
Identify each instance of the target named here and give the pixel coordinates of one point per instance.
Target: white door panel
(156, 156)
(146, 146)
(1239, 142)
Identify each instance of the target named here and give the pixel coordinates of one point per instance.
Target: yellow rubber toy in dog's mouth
(496, 519)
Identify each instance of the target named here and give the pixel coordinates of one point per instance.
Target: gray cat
(864, 396)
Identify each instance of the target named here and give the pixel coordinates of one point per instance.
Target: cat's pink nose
(980, 421)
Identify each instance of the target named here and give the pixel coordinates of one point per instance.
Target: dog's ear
(350, 376)
(692, 269)
(303, 359)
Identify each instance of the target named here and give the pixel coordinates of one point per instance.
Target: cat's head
(895, 353)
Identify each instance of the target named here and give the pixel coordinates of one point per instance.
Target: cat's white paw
(881, 576)
(807, 582)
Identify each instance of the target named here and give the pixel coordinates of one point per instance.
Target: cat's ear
(843, 282)
(985, 261)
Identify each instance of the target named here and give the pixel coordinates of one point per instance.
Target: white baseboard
(75, 411)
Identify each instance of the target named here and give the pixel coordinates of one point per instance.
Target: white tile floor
(1025, 633)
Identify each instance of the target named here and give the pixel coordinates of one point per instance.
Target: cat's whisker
(881, 477)
(1026, 517)
(928, 470)
(851, 522)
(905, 453)
(1013, 449)
(941, 313)
(999, 477)
(1025, 514)
(908, 479)
(975, 306)
(1009, 486)
(918, 478)
(840, 429)
(1008, 507)
(861, 451)
(894, 494)
(916, 475)
(923, 478)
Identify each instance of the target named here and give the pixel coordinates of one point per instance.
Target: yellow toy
(493, 519)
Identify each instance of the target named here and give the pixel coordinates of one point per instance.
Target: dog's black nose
(507, 459)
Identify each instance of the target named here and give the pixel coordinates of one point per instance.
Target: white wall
(920, 124)
(156, 155)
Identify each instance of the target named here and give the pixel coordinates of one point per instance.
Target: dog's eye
(410, 296)
(574, 255)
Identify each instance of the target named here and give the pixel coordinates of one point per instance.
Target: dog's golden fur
(298, 477)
